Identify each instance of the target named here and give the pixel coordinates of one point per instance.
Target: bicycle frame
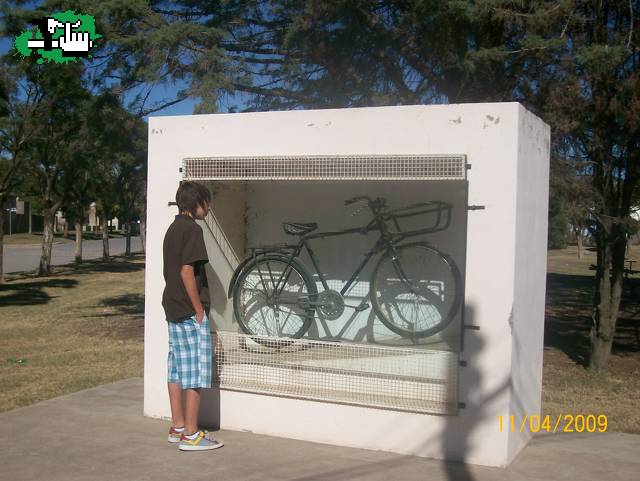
(387, 241)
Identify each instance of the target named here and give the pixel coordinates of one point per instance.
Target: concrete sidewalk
(100, 434)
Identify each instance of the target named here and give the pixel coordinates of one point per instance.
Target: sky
(185, 107)
(163, 92)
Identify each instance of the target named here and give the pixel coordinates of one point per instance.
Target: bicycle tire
(240, 311)
(385, 301)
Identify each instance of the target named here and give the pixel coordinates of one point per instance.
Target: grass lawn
(36, 237)
(79, 328)
(24, 239)
(568, 387)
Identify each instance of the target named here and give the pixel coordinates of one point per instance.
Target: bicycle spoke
(405, 290)
(284, 283)
(272, 300)
(286, 320)
(275, 287)
(261, 277)
(264, 320)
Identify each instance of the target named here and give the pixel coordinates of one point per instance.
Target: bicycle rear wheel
(415, 292)
(273, 298)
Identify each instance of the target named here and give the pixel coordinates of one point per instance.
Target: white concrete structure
(508, 149)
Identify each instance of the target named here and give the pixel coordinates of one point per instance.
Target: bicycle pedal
(362, 307)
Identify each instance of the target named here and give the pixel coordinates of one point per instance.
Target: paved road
(27, 257)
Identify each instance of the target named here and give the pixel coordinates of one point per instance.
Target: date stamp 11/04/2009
(561, 423)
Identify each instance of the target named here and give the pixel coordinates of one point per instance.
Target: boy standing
(186, 300)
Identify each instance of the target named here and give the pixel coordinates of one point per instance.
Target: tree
(132, 176)
(275, 54)
(78, 189)
(143, 47)
(570, 186)
(142, 209)
(51, 155)
(115, 142)
(558, 223)
(19, 105)
(65, 179)
(131, 173)
(584, 79)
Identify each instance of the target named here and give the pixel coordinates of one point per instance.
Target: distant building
(19, 218)
(92, 221)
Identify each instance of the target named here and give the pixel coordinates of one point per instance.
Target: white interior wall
(271, 203)
(493, 138)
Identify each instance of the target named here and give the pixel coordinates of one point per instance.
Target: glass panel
(376, 309)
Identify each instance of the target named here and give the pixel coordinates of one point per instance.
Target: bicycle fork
(395, 260)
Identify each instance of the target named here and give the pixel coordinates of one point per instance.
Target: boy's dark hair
(190, 195)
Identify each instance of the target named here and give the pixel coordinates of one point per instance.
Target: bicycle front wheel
(275, 298)
(415, 290)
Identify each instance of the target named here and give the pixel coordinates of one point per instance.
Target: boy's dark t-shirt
(183, 244)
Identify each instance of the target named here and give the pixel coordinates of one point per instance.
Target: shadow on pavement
(356, 472)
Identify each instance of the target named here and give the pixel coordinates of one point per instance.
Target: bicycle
(414, 289)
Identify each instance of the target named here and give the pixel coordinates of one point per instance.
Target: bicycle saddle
(298, 228)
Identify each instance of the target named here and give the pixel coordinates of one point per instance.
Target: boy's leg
(192, 406)
(177, 407)
(202, 374)
(196, 373)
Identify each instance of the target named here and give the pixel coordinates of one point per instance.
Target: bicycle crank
(331, 304)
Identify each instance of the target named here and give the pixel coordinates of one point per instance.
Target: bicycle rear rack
(441, 211)
(265, 249)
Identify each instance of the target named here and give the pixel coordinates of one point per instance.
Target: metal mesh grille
(336, 167)
(414, 380)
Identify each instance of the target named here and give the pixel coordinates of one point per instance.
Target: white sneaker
(204, 441)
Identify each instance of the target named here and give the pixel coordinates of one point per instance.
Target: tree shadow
(126, 319)
(116, 265)
(627, 338)
(568, 316)
(567, 319)
(32, 293)
(126, 304)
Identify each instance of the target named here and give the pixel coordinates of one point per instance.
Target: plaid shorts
(189, 360)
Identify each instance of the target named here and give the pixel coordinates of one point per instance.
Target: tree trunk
(1, 241)
(127, 251)
(143, 228)
(609, 279)
(44, 269)
(579, 240)
(78, 242)
(105, 239)
(66, 229)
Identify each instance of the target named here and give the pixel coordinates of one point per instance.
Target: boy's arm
(189, 281)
